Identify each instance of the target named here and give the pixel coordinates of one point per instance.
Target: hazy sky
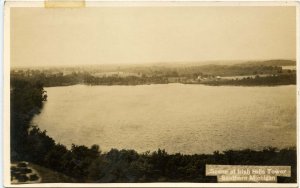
(42, 36)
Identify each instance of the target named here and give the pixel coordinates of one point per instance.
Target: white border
(101, 3)
(1, 84)
(6, 95)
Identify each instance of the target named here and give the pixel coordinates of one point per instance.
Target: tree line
(272, 80)
(155, 75)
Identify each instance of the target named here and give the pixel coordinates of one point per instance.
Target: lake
(175, 117)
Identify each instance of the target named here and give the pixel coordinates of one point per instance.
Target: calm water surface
(176, 117)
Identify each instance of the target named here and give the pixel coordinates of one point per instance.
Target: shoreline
(203, 84)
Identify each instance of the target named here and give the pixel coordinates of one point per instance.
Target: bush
(33, 177)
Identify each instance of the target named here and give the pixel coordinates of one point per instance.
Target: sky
(106, 35)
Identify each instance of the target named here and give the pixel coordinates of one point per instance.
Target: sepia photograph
(151, 93)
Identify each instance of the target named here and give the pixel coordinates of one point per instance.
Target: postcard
(110, 93)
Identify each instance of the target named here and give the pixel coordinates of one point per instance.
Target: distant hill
(277, 62)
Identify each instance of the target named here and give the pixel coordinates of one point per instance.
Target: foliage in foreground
(29, 143)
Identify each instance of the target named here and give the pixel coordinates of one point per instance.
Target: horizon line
(208, 62)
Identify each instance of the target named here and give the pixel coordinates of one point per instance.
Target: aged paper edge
(64, 4)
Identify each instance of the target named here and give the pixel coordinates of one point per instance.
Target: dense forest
(89, 164)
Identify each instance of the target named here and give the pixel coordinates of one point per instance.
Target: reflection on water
(176, 117)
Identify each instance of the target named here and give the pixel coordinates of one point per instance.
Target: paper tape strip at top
(64, 3)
